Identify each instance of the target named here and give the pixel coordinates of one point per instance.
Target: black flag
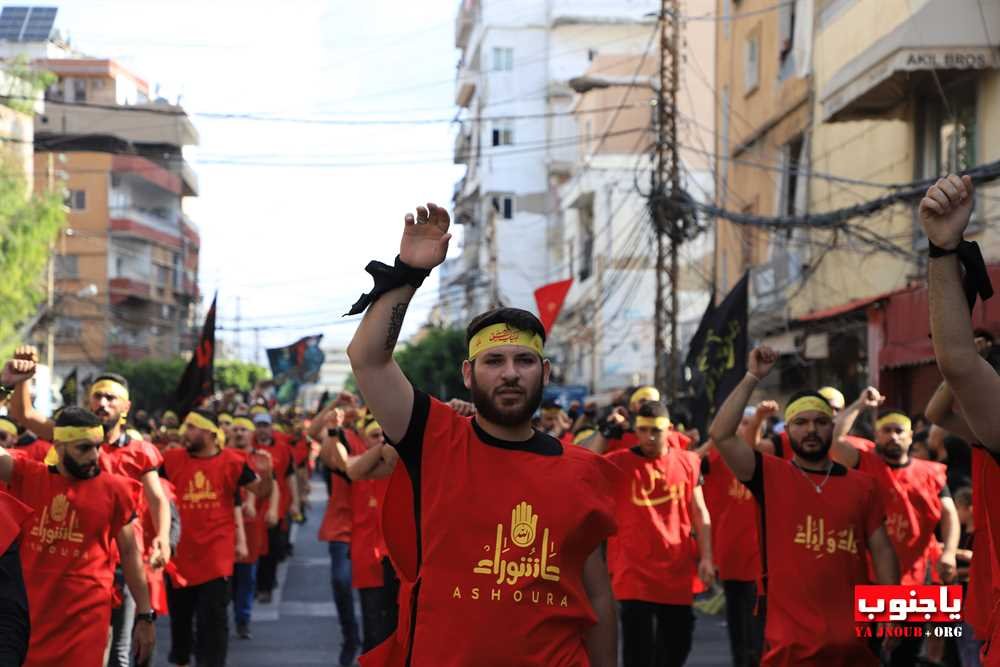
(717, 358)
(198, 383)
(69, 389)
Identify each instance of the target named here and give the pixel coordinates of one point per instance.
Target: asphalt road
(299, 628)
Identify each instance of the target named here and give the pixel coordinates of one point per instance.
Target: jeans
(244, 576)
(267, 566)
(746, 631)
(199, 620)
(656, 635)
(380, 608)
(343, 594)
(122, 620)
(968, 647)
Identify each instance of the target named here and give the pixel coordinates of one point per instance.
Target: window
(504, 205)
(503, 59)
(586, 234)
(948, 142)
(751, 62)
(591, 54)
(76, 200)
(790, 181)
(162, 275)
(79, 90)
(67, 329)
(503, 133)
(178, 270)
(67, 267)
(786, 35)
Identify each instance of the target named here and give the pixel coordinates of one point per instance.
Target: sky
(291, 209)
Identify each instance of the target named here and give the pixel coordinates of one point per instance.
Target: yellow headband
(373, 426)
(498, 335)
(644, 394)
(8, 427)
(244, 422)
(225, 418)
(582, 435)
(833, 397)
(64, 434)
(661, 423)
(196, 420)
(806, 404)
(170, 413)
(258, 409)
(109, 387)
(551, 412)
(896, 419)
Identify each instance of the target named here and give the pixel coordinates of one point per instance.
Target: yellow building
(894, 92)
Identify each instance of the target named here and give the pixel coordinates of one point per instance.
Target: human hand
(161, 553)
(767, 409)
(945, 210)
(762, 360)
(706, 572)
(870, 398)
(143, 641)
(463, 408)
(425, 239)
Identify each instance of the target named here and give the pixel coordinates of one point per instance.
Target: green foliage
(28, 227)
(434, 364)
(24, 82)
(351, 383)
(239, 375)
(153, 381)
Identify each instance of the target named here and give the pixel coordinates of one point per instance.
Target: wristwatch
(149, 616)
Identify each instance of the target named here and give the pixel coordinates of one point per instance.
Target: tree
(29, 222)
(152, 381)
(433, 364)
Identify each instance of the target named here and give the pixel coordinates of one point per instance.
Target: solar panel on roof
(27, 24)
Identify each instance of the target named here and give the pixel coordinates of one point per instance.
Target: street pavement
(299, 628)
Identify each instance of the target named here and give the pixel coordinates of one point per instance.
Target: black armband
(976, 281)
(388, 278)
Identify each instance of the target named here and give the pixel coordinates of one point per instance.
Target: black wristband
(937, 251)
(388, 278)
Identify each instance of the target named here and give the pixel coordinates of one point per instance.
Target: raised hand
(425, 239)
(767, 408)
(871, 398)
(762, 360)
(16, 371)
(945, 210)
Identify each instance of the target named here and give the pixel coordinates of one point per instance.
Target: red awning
(842, 309)
(907, 332)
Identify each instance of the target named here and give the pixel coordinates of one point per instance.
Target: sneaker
(264, 597)
(243, 631)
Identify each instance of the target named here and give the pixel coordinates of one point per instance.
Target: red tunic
(912, 498)
(735, 517)
(492, 567)
(652, 557)
(67, 559)
(983, 603)
(815, 548)
(36, 451)
(255, 529)
(336, 526)
(206, 491)
(284, 467)
(13, 516)
(367, 543)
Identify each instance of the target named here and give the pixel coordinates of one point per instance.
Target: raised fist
(871, 398)
(767, 408)
(945, 210)
(762, 360)
(16, 371)
(463, 408)
(425, 240)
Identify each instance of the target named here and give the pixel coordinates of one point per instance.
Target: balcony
(145, 226)
(463, 146)
(121, 289)
(468, 13)
(160, 124)
(465, 85)
(128, 351)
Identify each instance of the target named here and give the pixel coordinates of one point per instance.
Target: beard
(890, 452)
(194, 446)
(80, 470)
(509, 409)
(812, 455)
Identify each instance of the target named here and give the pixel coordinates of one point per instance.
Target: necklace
(818, 487)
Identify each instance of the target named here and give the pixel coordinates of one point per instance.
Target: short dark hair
(963, 496)
(74, 416)
(806, 393)
(889, 410)
(515, 317)
(653, 409)
(114, 377)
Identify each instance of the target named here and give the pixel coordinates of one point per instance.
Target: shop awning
(842, 309)
(943, 35)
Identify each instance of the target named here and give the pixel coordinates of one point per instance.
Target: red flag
(550, 300)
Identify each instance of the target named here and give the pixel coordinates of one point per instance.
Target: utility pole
(493, 265)
(666, 186)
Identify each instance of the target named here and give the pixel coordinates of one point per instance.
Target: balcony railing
(465, 84)
(463, 144)
(468, 13)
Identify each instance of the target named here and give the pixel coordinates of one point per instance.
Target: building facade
(118, 157)
(888, 93)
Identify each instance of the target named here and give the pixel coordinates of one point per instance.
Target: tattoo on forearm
(395, 325)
